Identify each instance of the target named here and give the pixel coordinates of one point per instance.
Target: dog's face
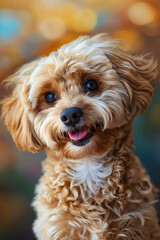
(72, 100)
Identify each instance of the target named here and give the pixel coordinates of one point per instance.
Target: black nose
(71, 116)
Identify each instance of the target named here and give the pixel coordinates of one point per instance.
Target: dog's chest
(91, 173)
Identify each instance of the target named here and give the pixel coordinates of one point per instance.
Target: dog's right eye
(91, 85)
(50, 97)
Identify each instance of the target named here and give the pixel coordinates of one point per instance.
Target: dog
(78, 104)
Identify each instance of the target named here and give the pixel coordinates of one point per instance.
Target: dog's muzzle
(71, 117)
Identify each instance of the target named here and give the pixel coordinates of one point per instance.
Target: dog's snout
(71, 116)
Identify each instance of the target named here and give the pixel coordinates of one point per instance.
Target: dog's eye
(91, 85)
(50, 97)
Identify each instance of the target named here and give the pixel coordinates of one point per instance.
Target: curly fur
(99, 190)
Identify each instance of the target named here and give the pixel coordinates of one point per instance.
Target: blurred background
(33, 28)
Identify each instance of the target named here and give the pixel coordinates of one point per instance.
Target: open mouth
(81, 137)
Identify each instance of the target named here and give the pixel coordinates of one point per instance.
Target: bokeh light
(52, 28)
(76, 18)
(10, 26)
(131, 39)
(84, 21)
(142, 13)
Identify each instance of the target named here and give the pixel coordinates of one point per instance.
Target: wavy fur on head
(93, 188)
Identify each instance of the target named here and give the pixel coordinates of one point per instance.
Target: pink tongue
(75, 136)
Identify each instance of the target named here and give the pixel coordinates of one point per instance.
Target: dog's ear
(137, 74)
(15, 110)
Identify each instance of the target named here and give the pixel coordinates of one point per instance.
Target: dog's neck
(124, 142)
(92, 172)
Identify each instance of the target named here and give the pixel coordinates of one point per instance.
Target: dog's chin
(95, 143)
(85, 141)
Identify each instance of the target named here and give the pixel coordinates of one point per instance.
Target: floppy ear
(15, 111)
(137, 74)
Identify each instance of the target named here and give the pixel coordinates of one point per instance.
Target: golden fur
(99, 190)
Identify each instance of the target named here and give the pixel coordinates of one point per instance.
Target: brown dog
(79, 104)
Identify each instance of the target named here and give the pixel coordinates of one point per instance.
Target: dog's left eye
(91, 85)
(50, 97)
